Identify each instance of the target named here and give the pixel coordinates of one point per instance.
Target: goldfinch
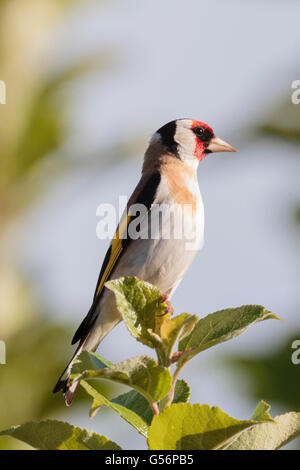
(168, 181)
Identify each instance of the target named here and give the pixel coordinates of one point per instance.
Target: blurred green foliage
(33, 127)
(283, 121)
(27, 379)
(273, 376)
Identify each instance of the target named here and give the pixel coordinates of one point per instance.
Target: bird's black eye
(199, 131)
(202, 133)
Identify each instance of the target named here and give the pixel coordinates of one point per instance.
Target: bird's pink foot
(169, 307)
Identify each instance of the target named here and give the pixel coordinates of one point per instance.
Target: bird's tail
(82, 335)
(68, 389)
(90, 335)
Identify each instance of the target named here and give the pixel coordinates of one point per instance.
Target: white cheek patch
(185, 138)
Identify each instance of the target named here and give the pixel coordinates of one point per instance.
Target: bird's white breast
(163, 257)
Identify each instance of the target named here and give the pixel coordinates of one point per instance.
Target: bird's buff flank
(168, 180)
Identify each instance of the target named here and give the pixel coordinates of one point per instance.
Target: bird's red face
(206, 141)
(203, 135)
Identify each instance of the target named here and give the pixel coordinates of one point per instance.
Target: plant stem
(177, 355)
(155, 408)
(167, 400)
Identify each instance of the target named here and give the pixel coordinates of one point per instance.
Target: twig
(176, 356)
(155, 408)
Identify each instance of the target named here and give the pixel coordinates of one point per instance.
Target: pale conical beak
(219, 145)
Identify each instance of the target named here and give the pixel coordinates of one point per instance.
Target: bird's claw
(169, 308)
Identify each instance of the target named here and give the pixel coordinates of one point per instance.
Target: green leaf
(141, 305)
(52, 435)
(141, 373)
(184, 426)
(269, 436)
(261, 412)
(219, 327)
(175, 329)
(88, 361)
(124, 411)
(182, 392)
(137, 403)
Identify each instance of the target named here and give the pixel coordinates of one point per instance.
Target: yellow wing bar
(116, 250)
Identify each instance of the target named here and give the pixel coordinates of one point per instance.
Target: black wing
(144, 194)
